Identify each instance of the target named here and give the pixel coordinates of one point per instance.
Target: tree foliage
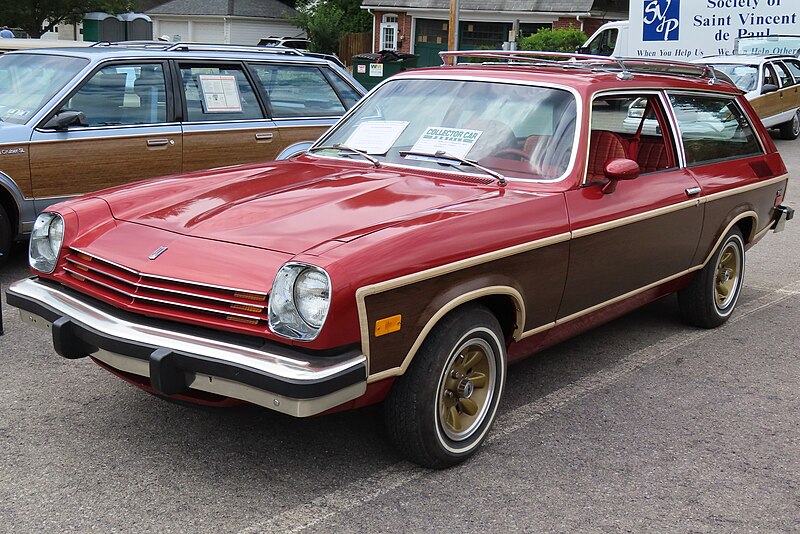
(566, 40)
(324, 21)
(39, 16)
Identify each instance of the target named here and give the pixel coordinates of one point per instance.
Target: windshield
(745, 77)
(517, 130)
(29, 81)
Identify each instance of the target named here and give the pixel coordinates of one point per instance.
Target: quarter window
(794, 68)
(123, 95)
(219, 93)
(301, 91)
(713, 128)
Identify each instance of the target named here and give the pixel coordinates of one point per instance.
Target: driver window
(630, 127)
(122, 95)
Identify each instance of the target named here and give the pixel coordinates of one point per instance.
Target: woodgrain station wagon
(458, 219)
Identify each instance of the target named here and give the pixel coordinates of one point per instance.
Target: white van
(610, 39)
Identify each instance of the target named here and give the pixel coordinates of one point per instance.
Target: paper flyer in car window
(453, 141)
(376, 137)
(220, 93)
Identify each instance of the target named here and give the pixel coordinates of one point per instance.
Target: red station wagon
(458, 219)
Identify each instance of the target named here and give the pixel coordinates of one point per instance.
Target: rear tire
(440, 411)
(6, 236)
(791, 129)
(711, 296)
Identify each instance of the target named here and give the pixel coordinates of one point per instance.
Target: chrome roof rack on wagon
(625, 67)
(197, 47)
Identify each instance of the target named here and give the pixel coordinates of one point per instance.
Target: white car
(772, 85)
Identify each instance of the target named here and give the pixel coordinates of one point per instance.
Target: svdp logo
(661, 21)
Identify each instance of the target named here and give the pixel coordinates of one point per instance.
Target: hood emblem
(159, 251)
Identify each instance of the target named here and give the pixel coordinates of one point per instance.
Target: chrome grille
(181, 300)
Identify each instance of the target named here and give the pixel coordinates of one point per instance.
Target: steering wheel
(513, 152)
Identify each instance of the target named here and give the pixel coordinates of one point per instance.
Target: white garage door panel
(172, 28)
(209, 32)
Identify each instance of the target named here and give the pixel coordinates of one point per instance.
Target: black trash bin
(371, 69)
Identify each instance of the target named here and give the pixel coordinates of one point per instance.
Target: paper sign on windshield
(220, 93)
(376, 137)
(454, 141)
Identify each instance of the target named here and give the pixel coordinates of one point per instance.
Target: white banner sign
(686, 29)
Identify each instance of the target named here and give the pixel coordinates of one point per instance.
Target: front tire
(440, 411)
(709, 299)
(791, 129)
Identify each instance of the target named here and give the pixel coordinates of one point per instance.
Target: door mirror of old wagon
(769, 88)
(64, 119)
(619, 169)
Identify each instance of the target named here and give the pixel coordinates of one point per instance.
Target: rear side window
(713, 128)
(298, 91)
(783, 74)
(123, 95)
(794, 67)
(346, 91)
(219, 93)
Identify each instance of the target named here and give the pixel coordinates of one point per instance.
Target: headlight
(299, 301)
(46, 239)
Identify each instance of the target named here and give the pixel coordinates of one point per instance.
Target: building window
(388, 33)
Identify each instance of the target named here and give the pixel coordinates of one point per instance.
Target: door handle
(264, 136)
(692, 191)
(159, 142)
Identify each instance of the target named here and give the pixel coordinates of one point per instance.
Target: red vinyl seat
(604, 147)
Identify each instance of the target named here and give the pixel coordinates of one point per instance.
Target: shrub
(566, 40)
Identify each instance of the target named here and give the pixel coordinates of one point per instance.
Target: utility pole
(452, 36)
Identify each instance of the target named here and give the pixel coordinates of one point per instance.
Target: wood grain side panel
(209, 149)
(75, 166)
(720, 212)
(296, 134)
(614, 262)
(538, 275)
(15, 165)
(769, 104)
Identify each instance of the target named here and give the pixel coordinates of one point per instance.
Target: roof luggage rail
(210, 47)
(626, 67)
(158, 45)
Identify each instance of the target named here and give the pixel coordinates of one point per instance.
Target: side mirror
(582, 50)
(64, 119)
(769, 88)
(619, 169)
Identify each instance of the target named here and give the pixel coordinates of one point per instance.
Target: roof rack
(156, 45)
(625, 67)
(198, 47)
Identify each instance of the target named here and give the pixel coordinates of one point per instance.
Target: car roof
(743, 59)
(179, 51)
(587, 74)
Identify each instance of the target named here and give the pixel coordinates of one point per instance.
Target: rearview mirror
(619, 169)
(64, 119)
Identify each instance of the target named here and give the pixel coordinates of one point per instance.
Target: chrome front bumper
(274, 376)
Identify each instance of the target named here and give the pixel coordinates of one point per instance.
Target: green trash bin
(371, 69)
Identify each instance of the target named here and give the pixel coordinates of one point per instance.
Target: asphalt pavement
(641, 425)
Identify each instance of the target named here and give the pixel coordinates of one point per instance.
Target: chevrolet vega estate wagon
(456, 220)
(74, 120)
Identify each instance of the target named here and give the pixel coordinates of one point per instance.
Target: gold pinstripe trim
(387, 285)
(444, 310)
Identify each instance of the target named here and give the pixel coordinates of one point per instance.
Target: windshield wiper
(441, 154)
(345, 148)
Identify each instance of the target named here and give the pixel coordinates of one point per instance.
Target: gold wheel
(727, 276)
(466, 389)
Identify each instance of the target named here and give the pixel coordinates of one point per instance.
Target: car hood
(289, 206)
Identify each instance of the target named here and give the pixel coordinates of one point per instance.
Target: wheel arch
(11, 200)
(505, 302)
(746, 221)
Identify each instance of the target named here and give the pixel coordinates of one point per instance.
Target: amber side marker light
(388, 325)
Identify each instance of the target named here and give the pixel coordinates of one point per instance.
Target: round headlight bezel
(290, 310)
(47, 238)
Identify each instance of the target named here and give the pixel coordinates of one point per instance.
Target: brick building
(421, 26)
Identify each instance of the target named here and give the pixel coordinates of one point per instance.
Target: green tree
(566, 40)
(324, 21)
(38, 16)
